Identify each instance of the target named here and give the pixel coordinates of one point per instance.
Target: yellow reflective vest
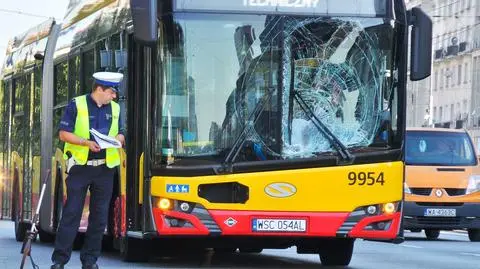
(82, 129)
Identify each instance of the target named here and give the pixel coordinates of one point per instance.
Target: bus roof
(22, 47)
(90, 21)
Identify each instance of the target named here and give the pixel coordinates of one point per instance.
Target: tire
(58, 209)
(45, 237)
(338, 252)
(20, 226)
(133, 249)
(107, 243)
(250, 250)
(432, 234)
(474, 235)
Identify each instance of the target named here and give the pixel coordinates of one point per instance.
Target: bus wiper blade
(346, 156)
(227, 164)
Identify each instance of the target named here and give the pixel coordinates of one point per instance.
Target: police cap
(108, 79)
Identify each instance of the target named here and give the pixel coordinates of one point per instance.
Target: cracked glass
(270, 87)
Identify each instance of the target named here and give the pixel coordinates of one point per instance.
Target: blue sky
(13, 23)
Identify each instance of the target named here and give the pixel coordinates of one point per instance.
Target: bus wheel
(133, 250)
(432, 234)
(45, 237)
(251, 250)
(337, 252)
(20, 226)
(474, 235)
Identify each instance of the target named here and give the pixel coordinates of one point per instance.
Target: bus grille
(439, 220)
(206, 219)
(421, 191)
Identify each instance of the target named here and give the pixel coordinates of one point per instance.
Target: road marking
(470, 254)
(410, 246)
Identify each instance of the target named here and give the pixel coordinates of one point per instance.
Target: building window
(440, 114)
(459, 76)
(447, 75)
(435, 81)
(452, 112)
(442, 76)
(466, 71)
(434, 114)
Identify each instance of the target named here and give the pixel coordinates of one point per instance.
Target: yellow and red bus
(251, 124)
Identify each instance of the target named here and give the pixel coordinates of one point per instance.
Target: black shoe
(90, 266)
(57, 266)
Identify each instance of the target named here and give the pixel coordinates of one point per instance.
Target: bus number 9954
(365, 178)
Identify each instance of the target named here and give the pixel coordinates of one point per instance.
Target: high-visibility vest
(82, 129)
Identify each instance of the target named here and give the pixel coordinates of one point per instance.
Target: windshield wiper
(346, 156)
(227, 164)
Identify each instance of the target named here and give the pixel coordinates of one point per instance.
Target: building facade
(454, 86)
(419, 92)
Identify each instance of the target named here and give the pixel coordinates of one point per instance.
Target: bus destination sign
(313, 7)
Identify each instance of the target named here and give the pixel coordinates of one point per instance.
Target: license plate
(440, 212)
(279, 225)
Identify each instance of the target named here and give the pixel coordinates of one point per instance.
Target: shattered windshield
(268, 87)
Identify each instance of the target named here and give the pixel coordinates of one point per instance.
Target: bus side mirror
(421, 44)
(144, 15)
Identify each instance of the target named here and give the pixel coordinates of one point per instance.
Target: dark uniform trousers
(99, 180)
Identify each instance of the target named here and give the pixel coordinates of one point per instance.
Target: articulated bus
(251, 124)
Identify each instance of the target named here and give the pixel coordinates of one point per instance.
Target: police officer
(89, 167)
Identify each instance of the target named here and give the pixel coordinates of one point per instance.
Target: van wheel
(338, 252)
(432, 234)
(474, 235)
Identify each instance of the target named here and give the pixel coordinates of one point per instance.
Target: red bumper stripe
(233, 223)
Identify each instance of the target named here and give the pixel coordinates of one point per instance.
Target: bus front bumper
(203, 222)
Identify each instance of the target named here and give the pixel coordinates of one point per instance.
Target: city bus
(251, 124)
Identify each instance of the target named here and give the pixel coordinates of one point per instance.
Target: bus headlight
(406, 189)
(163, 203)
(473, 184)
(389, 208)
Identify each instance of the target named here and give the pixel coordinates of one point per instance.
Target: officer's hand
(93, 146)
(121, 138)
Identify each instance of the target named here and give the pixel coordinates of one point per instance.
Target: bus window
(74, 75)
(36, 132)
(61, 84)
(19, 94)
(88, 63)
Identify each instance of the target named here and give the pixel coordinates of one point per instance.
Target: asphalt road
(452, 250)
